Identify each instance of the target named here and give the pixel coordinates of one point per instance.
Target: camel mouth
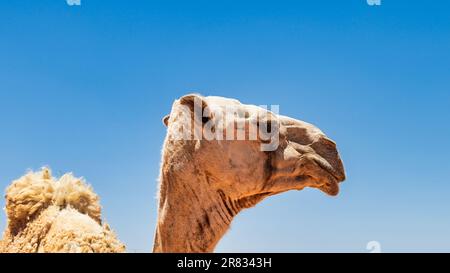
(322, 176)
(333, 178)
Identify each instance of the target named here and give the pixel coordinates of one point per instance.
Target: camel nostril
(328, 141)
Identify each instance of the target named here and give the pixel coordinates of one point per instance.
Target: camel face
(284, 154)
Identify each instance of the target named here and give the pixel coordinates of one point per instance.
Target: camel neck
(191, 216)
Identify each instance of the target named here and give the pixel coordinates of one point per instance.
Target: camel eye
(269, 127)
(205, 119)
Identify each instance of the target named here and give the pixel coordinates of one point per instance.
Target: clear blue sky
(84, 89)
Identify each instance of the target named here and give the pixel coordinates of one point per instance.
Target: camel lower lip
(331, 188)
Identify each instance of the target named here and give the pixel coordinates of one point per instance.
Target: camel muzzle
(332, 163)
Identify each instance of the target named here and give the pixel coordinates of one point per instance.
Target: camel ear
(192, 101)
(165, 120)
(197, 105)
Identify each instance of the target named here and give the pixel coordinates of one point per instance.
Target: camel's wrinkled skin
(45, 215)
(205, 183)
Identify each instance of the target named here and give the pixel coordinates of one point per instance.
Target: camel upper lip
(337, 175)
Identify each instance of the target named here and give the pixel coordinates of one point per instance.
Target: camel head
(236, 154)
(283, 154)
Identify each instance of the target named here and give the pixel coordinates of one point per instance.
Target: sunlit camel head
(221, 156)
